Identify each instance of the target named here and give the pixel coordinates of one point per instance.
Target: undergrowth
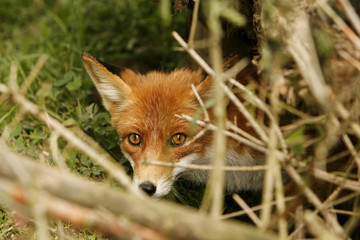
(125, 32)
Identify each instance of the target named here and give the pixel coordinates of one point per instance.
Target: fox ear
(205, 88)
(112, 88)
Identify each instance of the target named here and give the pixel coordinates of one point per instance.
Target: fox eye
(134, 139)
(178, 139)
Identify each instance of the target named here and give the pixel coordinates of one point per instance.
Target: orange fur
(148, 105)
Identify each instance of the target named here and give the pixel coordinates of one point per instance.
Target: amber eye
(134, 139)
(178, 139)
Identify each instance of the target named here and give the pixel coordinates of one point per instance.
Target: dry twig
(68, 189)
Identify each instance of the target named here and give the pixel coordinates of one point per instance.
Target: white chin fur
(163, 188)
(129, 158)
(235, 181)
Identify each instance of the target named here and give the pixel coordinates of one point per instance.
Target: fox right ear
(112, 88)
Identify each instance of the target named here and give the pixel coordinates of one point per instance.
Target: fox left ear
(112, 88)
(205, 88)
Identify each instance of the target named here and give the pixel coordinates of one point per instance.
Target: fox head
(144, 111)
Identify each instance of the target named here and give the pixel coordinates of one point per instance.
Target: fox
(145, 110)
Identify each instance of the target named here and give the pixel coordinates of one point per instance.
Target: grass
(127, 32)
(113, 30)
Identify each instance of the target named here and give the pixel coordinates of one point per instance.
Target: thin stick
(34, 73)
(54, 148)
(256, 208)
(13, 77)
(339, 22)
(194, 21)
(302, 48)
(351, 14)
(257, 102)
(353, 61)
(227, 133)
(356, 128)
(39, 212)
(298, 233)
(238, 67)
(217, 177)
(254, 168)
(352, 149)
(197, 136)
(207, 118)
(243, 133)
(236, 137)
(193, 54)
(248, 210)
(317, 227)
(267, 194)
(345, 183)
(245, 113)
(312, 198)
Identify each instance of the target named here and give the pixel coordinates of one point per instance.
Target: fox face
(145, 112)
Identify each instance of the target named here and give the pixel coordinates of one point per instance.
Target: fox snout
(154, 180)
(148, 187)
(156, 189)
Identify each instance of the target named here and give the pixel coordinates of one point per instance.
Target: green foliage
(115, 31)
(111, 30)
(296, 141)
(7, 226)
(324, 42)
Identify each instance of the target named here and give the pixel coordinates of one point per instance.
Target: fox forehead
(155, 100)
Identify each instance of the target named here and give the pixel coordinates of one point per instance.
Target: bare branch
(227, 133)
(248, 210)
(351, 14)
(317, 227)
(302, 48)
(312, 198)
(161, 216)
(339, 22)
(207, 118)
(345, 183)
(34, 72)
(254, 168)
(194, 21)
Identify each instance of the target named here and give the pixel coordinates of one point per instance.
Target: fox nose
(148, 187)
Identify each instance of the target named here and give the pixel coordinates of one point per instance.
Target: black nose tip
(148, 187)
